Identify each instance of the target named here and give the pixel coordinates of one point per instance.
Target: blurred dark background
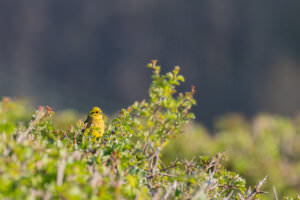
(242, 56)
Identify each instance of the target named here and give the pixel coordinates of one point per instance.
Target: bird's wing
(86, 121)
(85, 124)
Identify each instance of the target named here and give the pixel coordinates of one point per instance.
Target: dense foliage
(267, 145)
(38, 160)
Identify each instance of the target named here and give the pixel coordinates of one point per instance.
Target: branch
(275, 193)
(156, 160)
(168, 192)
(60, 172)
(257, 190)
(229, 196)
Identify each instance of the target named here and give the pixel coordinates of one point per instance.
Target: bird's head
(96, 112)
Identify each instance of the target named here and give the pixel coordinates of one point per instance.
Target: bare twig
(150, 145)
(156, 160)
(241, 196)
(60, 172)
(169, 191)
(165, 174)
(211, 183)
(169, 167)
(229, 196)
(275, 193)
(150, 187)
(214, 162)
(256, 190)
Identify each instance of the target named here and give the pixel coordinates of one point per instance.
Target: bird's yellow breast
(95, 122)
(98, 123)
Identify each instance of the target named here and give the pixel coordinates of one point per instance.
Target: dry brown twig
(229, 196)
(275, 193)
(256, 190)
(214, 162)
(169, 191)
(60, 172)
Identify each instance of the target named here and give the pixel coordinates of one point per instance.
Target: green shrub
(41, 161)
(267, 145)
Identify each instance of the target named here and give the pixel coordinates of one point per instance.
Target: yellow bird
(95, 123)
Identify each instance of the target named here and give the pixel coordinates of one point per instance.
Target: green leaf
(180, 78)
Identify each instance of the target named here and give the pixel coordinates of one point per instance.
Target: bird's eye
(97, 112)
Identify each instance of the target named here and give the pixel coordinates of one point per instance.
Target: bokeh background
(242, 56)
